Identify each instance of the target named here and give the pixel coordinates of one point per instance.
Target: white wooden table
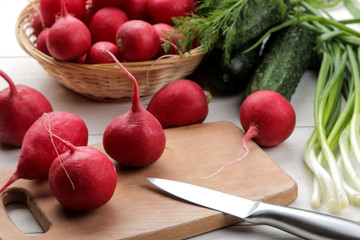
(25, 70)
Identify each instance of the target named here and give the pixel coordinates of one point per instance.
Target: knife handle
(303, 223)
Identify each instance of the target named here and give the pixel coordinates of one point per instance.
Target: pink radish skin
(179, 103)
(81, 59)
(90, 10)
(82, 178)
(20, 107)
(137, 10)
(37, 152)
(41, 41)
(109, 3)
(135, 138)
(68, 37)
(51, 9)
(137, 41)
(163, 29)
(105, 24)
(97, 55)
(162, 11)
(37, 24)
(268, 118)
(269, 115)
(41, 32)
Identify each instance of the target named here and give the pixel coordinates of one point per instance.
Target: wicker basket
(107, 82)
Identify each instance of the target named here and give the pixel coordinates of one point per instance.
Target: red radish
(97, 55)
(20, 107)
(81, 59)
(137, 41)
(37, 24)
(41, 41)
(137, 9)
(164, 31)
(37, 152)
(268, 118)
(105, 23)
(109, 3)
(135, 138)
(51, 9)
(68, 37)
(41, 32)
(179, 103)
(90, 10)
(82, 178)
(162, 11)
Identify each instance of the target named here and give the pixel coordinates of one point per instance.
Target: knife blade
(302, 223)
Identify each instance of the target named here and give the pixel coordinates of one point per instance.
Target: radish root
(252, 132)
(70, 146)
(161, 57)
(153, 64)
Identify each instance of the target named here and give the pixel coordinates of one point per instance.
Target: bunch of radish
(39, 150)
(69, 30)
(81, 178)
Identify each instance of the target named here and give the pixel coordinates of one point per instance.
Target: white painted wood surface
(25, 70)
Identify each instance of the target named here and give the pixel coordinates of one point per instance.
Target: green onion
(332, 152)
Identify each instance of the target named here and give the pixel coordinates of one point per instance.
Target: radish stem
(12, 87)
(135, 106)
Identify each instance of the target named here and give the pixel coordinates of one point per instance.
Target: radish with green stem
(68, 37)
(37, 152)
(82, 178)
(20, 107)
(135, 138)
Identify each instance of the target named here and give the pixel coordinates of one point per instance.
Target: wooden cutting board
(138, 210)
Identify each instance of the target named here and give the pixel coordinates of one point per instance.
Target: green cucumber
(285, 58)
(235, 76)
(258, 17)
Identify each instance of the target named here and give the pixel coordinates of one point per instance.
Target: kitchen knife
(301, 223)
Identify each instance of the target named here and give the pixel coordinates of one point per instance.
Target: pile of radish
(81, 178)
(38, 150)
(69, 30)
